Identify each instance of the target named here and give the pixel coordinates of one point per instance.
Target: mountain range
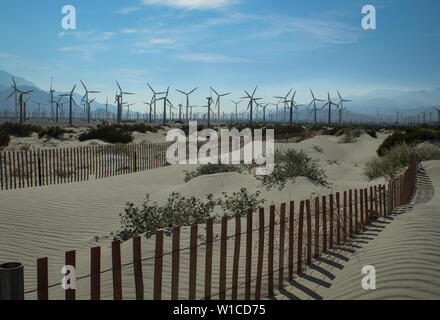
(386, 102)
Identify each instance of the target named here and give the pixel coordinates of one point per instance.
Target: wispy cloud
(86, 52)
(191, 4)
(127, 10)
(211, 58)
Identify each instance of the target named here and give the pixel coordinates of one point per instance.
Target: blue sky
(232, 45)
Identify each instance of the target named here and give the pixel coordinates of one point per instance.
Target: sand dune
(48, 221)
(403, 249)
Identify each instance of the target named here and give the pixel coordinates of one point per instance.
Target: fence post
(158, 264)
(260, 254)
(70, 258)
(176, 263)
(95, 281)
(270, 252)
(300, 237)
(11, 281)
(324, 224)
(249, 239)
(282, 238)
(235, 264)
(42, 279)
(291, 237)
(223, 252)
(137, 265)
(117, 272)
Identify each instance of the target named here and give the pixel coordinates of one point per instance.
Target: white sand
(403, 249)
(48, 221)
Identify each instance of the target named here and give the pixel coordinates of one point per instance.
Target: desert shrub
(372, 133)
(410, 136)
(180, 211)
(206, 169)
(399, 157)
(348, 137)
(107, 133)
(290, 164)
(139, 127)
(54, 132)
(5, 138)
(240, 202)
(20, 130)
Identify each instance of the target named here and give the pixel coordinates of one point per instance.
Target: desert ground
(47, 221)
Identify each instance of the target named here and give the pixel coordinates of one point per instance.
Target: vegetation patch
(399, 157)
(108, 133)
(409, 136)
(290, 164)
(5, 139)
(181, 211)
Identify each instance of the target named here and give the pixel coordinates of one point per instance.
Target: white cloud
(127, 31)
(127, 10)
(161, 41)
(211, 58)
(191, 4)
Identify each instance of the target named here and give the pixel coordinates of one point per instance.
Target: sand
(47, 221)
(403, 249)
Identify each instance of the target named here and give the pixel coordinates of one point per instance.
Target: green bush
(290, 164)
(107, 133)
(5, 138)
(54, 132)
(410, 136)
(180, 211)
(399, 157)
(20, 130)
(205, 169)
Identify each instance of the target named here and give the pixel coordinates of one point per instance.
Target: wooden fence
(32, 168)
(300, 233)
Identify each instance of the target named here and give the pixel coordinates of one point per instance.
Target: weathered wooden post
(11, 281)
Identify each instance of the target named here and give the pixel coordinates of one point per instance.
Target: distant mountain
(6, 81)
(39, 95)
(386, 102)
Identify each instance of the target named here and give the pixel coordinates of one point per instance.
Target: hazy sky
(232, 45)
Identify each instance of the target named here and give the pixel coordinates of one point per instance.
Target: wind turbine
(70, 95)
(52, 91)
(438, 115)
(251, 102)
(236, 104)
(86, 100)
(209, 109)
(165, 101)
(264, 111)
(25, 108)
(285, 101)
(314, 100)
(340, 106)
(120, 104)
(58, 107)
(151, 108)
(218, 100)
(329, 104)
(153, 99)
(187, 94)
(22, 93)
(128, 109)
(39, 106)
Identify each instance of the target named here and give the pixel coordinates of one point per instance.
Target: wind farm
(219, 150)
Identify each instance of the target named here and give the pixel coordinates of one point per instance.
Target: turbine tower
(329, 104)
(251, 102)
(285, 101)
(340, 106)
(70, 95)
(217, 103)
(22, 93)
(86, 100)
(120, 100)
(187, 94)
(314, 100)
